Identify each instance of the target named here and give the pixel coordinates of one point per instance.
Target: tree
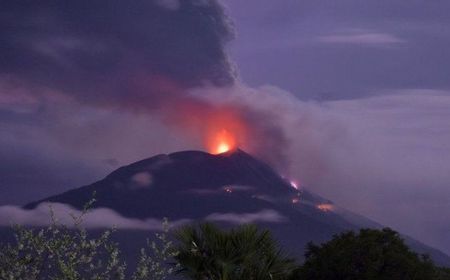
(154, 260)
(207, 252)
(371, 254)
(59, 252)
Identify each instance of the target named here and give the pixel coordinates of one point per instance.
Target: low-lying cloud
(106, 218)
(265, 215)
(64, 214)
(361, 37)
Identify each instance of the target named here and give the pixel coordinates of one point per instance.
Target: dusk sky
(349, 98)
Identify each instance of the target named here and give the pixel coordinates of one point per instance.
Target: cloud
(81, 47)
(138, 56)
(95, 218)
(221, 190)
(266, 215)
(361, 37)
(107, 218)
(386, 157)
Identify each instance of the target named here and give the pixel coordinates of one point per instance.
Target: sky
(350, 98)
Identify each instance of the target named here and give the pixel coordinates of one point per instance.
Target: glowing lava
(228, 189)
(222, 142)
(222, 148)
(325, 207)
(294, 185)
(224, 130)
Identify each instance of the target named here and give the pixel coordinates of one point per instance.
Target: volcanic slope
(228, 188)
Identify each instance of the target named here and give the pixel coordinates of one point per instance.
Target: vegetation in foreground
(369, 254)
(207, 252)
(243, 253)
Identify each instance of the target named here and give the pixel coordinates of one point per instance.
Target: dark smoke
(141, 56)
(85, 46)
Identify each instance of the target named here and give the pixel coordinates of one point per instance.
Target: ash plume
(139, 56)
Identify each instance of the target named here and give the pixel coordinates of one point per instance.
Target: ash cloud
(97, 50)
(137, 56)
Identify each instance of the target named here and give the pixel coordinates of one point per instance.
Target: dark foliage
(207, 252)
(370, 254)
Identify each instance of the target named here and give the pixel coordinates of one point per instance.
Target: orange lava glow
(224, 131)
(222, 142)
(325, 207)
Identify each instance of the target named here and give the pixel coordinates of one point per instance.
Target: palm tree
(209, 253)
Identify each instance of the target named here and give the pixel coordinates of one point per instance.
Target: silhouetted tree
(60, 252)
(371, 254)
(207, 252)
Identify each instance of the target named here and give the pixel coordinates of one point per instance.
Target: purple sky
(360, 91)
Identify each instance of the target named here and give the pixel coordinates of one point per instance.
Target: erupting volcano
(227, 186)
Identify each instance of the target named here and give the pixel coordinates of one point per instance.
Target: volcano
(228, 188)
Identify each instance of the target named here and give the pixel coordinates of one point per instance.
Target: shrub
(59, 252)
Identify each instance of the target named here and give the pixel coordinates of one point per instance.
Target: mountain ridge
(194, 185)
